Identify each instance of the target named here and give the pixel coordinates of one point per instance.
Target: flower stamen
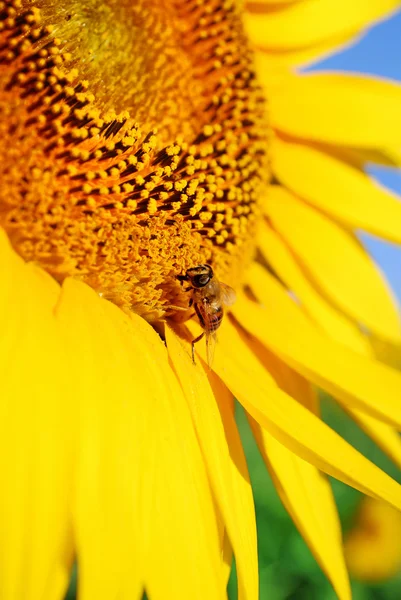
(127, 204)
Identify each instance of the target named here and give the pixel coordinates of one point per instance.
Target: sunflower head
(134, 141)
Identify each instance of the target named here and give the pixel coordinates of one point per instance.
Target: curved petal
(360, 157)
(314, 21)
(307, 496)
(141, 481)
(366, 109)
(227, 559)
(37, 433)
(336, 263)
(222, 449)
(336, 326)
(338, 189)
(288, 421)
(357, 381)
(303, 489)
(271, 60)
(296, 386)
(258, 5)
(386, 437)
(276, 61)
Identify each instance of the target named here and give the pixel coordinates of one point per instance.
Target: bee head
(199, 276)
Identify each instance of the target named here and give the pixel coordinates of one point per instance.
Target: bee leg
(198, 339)
(190, 303)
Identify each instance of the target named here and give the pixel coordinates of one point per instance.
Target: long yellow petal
(305, 491)
(357, 381)
(142, 481)
(307, 496)
(338, 189)
(336, 263)
(289, 422)
(314, 21)
(336, 326)
(338, 108)
(37, 414)
(223, 453)
(386, 437)
(258, 5)
(360, 157)
(270, 60)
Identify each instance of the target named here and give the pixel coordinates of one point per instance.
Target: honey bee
(209, 296)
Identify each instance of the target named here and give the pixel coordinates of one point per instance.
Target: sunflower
(139, 140)
(373, 545)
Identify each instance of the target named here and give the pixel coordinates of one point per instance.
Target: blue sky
(379, 53)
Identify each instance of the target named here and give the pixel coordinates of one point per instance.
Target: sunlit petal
(289, 422)
(284, 263)
(275, 61)
(314, 21)
(307, 496)
(222, 449)
(360, 157)
(138, 445)
(336, 263)
(304, 490)
(37, 433)
(280, 324)
(258, 5)
(338, 189)
(386, 437)
(352, 99)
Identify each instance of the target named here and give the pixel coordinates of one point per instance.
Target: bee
(209, 296)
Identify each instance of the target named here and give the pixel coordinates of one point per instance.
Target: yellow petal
(294, 384)
(373, 546)
(144, 510)
(338, 108)
(314, 21)
(394, 154)
(333, 323)
(304, 491)
(307, 496)
(259, 5)
(336, 263)
(222, 449)
(338, 189)
(355, 380)
(227, 559)
(270, 60)
(37, 415)
(360, 157)
(386, 437)
(288, 421)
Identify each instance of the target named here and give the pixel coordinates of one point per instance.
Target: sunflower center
(133, 143)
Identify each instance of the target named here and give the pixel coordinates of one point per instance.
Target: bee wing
(227, 294)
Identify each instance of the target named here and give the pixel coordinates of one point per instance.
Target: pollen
(133, 143)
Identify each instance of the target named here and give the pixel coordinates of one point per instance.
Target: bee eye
(201, 280)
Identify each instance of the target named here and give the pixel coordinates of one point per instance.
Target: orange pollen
(133, 143)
